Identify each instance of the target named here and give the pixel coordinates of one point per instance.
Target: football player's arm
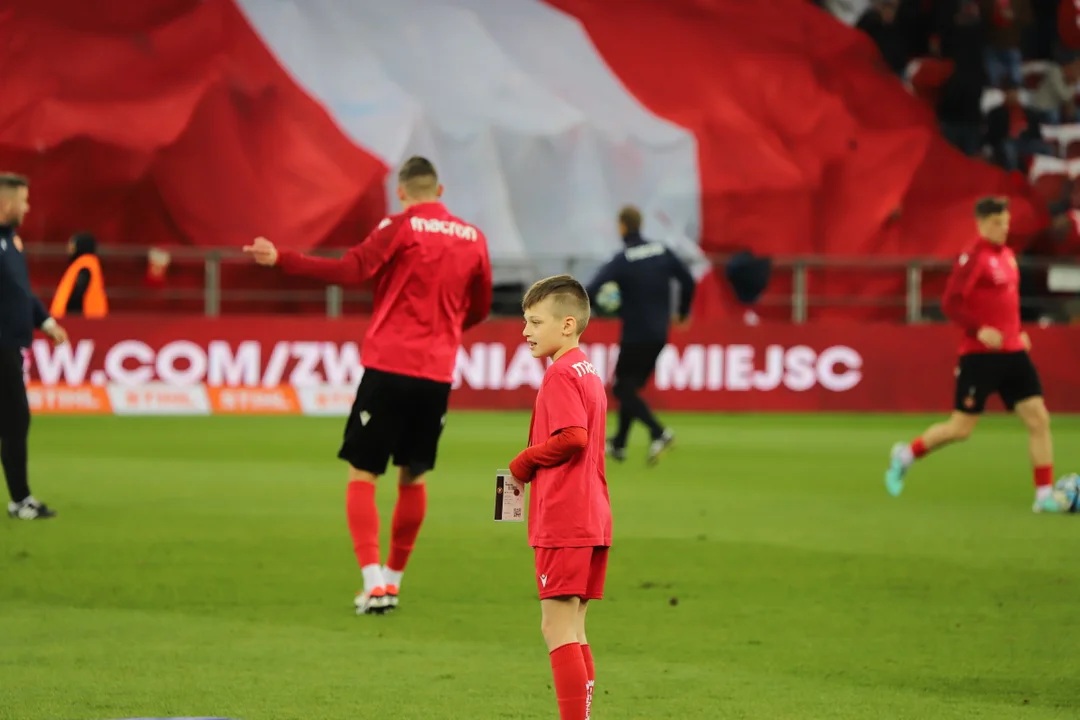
(480, 293)
(361, 262)
(687, 284)
(956, 302)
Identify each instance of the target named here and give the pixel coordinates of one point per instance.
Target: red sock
(571, 681)
(363, 522)
(408, 517)
(918, 448)
(1044, 475)
(590, 673)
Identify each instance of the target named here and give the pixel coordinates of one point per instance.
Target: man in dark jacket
(641, 276)
(20, 313)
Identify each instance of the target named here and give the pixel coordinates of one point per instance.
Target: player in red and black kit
(432, 281)
(569, 507)
(983, 298)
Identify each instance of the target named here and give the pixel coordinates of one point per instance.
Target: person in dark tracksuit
(20, 313)
(643, 273)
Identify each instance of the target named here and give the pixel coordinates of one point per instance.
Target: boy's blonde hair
(569, 297)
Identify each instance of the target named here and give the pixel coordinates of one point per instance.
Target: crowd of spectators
(1002, 77)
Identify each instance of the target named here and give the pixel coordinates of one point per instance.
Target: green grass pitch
(203, 566)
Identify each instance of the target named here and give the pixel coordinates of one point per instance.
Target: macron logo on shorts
(543, 580)
(365, 416)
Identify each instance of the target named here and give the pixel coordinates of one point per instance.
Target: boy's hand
(521, 468)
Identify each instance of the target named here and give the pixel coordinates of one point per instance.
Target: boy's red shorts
(571, 572)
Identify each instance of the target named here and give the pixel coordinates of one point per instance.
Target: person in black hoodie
(643, 273)
(20, 313)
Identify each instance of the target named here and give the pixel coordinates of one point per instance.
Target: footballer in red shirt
(432, 282)
(983, 297)
(569, 508)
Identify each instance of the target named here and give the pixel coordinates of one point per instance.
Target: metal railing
(799, 271)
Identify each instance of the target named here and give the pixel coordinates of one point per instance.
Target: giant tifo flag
(761, 124)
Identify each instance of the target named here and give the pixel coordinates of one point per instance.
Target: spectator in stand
(82, 288)
(157, 264)
(959, 37)
(1068, 24)
(1041, 42)
(880, 23)
(1013, 131)
(1006, 22)
(1055, 97)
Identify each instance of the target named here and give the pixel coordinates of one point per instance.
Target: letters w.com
(480, 366)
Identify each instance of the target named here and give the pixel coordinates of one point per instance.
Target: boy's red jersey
(569, 504)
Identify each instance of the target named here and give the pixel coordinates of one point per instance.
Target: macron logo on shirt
(445, 227)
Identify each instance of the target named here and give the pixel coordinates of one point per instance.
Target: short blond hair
(569, 296)
(418, 177)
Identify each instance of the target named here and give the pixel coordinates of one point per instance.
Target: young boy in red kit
(569, 508)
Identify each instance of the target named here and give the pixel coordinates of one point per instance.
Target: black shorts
(395, 416)
(1011, 375)
(636, 363)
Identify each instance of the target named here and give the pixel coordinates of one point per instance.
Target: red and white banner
(196, 366)
(230, 119)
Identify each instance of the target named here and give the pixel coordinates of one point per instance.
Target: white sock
(904, 454)
(392, 577)
(1043, 491)
(373, 577)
